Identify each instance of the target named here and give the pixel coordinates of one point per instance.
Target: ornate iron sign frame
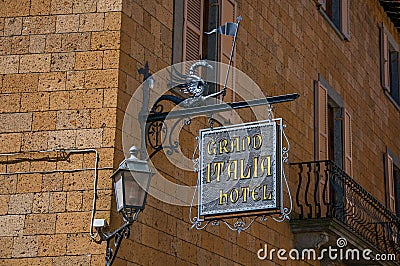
(159, 137)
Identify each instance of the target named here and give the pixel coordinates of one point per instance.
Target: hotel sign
(240, 170)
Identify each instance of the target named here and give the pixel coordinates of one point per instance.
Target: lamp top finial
(134, 151)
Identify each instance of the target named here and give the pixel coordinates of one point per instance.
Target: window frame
(342, 154)
(225, 47)
(334, 126)
(386, 43)
(178, 31)
(343, 29)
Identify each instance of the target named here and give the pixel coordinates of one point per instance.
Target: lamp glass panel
(135, 189)
(119, 192)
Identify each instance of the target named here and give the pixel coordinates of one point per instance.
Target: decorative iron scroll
(242, 221)
(158, 134)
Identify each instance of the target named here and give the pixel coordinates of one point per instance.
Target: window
(392, 174)
(333, 138)
(392, 180)
(191, 19)
(338, 14)
(390, 65)
(333, 127)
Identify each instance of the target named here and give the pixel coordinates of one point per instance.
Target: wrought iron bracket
(154, 131)
(116, 238)
(203, 110)
(154, 120)
(144, 111)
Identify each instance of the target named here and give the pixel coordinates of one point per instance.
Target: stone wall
(59, 80)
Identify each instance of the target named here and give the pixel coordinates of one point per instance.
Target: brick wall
(283, 46)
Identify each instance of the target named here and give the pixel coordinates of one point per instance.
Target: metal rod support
(71, 151)
(111, 235)
(230, 57)
(221, 107)
(116, 236)
(56, 171)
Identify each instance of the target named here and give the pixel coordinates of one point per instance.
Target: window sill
(341, 35)
(392, 100)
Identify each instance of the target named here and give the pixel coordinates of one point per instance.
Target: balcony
(329, 205)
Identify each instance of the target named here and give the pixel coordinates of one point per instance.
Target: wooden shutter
(345, 18)
(322, 4)
(321, 116)
(321, 122)
(385, 59)
(193, 30)
(348, 142)
(390, 197)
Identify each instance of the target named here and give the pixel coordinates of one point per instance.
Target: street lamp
(131, 183)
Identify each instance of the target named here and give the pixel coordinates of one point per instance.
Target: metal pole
(230, 58)
(146, 87)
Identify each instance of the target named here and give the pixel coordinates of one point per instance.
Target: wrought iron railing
(324, 190)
